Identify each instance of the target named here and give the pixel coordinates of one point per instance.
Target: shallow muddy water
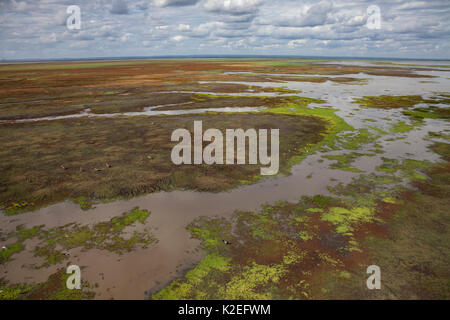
(171, 212)
(148, 111)
(133, 275)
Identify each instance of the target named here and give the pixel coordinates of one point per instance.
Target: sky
(32, 29)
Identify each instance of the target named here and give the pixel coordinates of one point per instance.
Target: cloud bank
(31, 29)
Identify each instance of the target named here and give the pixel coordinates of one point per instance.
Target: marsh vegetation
(100, 189)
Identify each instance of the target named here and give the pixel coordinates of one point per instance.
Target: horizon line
(206, 56)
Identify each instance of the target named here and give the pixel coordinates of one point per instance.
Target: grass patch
(389, 102)
(54, 288)
(343, 161)
(103, 235)
(102, 159)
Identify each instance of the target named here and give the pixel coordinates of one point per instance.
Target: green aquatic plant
(14, 292)
(401, 127)
(21, 234)
(346, 219)
(85, 203)
(414, 169)
(389, 165)
(434, 134)
(344, 161)
(389, 102)
(14, 208)
(431, 112)
(335, 124)
(9, 250)
(55, 288)
(190, 286)
(103, 235)
(356, 139)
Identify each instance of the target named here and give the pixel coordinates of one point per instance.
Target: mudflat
(86, 178)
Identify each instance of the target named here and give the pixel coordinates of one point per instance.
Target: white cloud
(51, 38)
(205, 29)
(413, 5)
(36, 29)
(177, 38)
(183, 27)
(306, 16)
(232, 6)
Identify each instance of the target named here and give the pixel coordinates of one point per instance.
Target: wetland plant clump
(53, 244)
(54, 288)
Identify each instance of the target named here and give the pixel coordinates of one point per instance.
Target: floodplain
(86, 179)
